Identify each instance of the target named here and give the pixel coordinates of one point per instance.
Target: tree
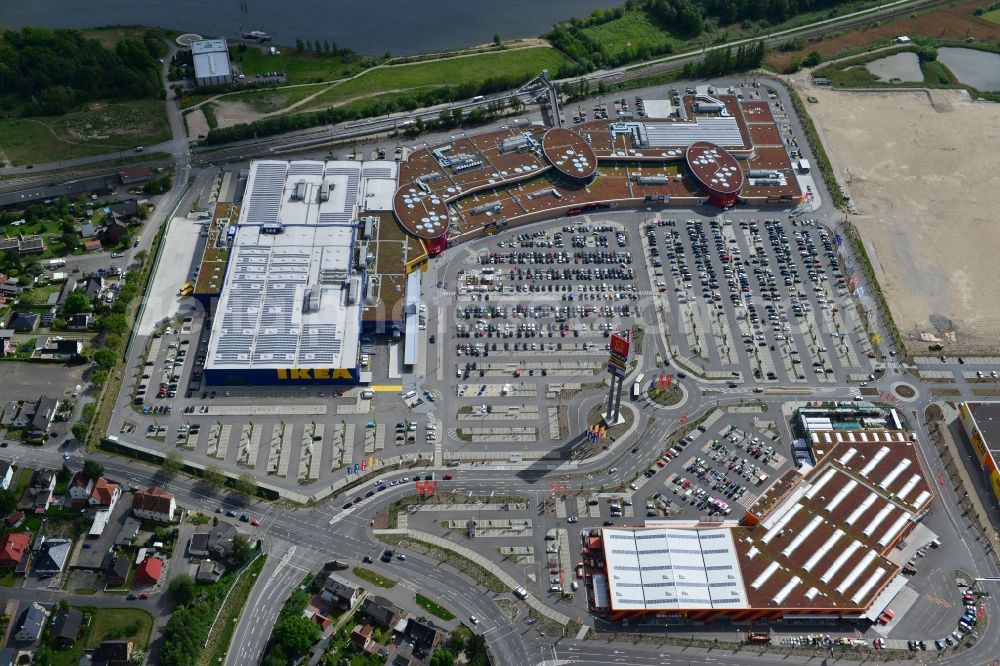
(114, 324)
(172, 462)
(141, 255)
(814, 58)
(299, 46)
(246, 484)
(105, 358)
(442, 658)
(64, 474)
(99, 378)
(296, 635)
(213, 476)
(496, 38)
(476, 651)
(242, 550)
(183, 589)
(80, 430)
(8, 501)
(93, 469)
(326, 46)
(76, 303)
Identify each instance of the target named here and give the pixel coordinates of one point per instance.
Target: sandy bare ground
(197, 125)
(922, 170)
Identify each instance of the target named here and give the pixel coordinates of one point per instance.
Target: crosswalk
(747, 500)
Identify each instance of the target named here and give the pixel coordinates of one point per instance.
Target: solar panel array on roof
(720, 131)
(264, 201)
(377, 172)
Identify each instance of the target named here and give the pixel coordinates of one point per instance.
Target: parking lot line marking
(387, 388)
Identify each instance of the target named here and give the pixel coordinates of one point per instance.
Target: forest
(45, 72)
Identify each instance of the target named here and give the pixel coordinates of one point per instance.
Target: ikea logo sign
(311, 374)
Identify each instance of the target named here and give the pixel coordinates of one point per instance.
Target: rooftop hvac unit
(313, 297)
(370, 292)
(299, 193)
(368, 228)
(324, 191)
(353, 290)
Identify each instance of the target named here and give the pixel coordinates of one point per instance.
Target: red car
(144, 595)
(255, 522)
(448, 477)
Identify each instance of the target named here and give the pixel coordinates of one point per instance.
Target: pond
(899, 66)
(979, 69)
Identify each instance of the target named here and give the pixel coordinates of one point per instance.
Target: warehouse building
(981, 422)
(211, 62)
(289, 311)
(818, 545)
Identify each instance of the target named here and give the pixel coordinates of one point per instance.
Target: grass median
(477, 573)
(434, 608)
(374, 578)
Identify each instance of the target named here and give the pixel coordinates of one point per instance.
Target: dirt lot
(920, 174)
(197, 124)
(955, 22)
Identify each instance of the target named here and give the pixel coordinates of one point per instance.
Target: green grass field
(632, 31)
(298, 67)
(445, 72)
(374, 578)
(993, 16)
(100, 129)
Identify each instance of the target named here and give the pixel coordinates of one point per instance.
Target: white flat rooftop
(292, 299)
(664, 568)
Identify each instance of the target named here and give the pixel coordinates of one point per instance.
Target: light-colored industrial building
(211, 62)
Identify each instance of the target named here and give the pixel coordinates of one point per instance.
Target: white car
(572, 519)
(473, 619)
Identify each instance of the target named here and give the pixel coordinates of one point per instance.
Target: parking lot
(760, 300)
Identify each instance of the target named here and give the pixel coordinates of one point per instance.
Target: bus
(187, 289)
(637, 387)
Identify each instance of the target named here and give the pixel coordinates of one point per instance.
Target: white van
(367, 394)
(409, 394)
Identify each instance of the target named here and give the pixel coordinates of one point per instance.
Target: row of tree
(51, 72)
(372, 108)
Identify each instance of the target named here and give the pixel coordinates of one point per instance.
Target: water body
(900, 66)
(979, 69)
(399, 26)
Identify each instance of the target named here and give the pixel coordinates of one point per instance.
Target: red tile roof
(12, 548)
(150, 569)
(156, 500)
(103, 491)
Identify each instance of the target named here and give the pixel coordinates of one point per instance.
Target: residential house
(217, 543)
(104, 495)
(6, 474)
(58, 348)
(42, 481)
(80, 487)
(126, 210)
(13, 548)
(154, 504)
(382, 612)
(7, 344)
(80, 321)
(114, 230)
(150, 570)
(14, 519)
(403, 655)
(209, 571)
(66, 627)
(51, 556)
(339, 593)
(116, 573)
(361, 637)
(41, 420)
(424, 636)
(31, 623)
(23, 322)
(87, 230)
(30, 244)
(92, 245)
(49, 315)
(127, 532)
(112, 653)
(93, 286)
